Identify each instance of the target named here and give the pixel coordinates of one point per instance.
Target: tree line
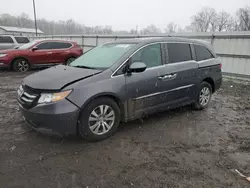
(206, 20)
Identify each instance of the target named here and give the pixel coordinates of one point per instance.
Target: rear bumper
(57, 119)
(217, 84)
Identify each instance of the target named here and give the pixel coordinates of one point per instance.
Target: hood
(55, 78)
(7, 51)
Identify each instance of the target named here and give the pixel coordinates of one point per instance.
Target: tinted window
(44, 46)
(202, 53)
(6, 39)
(150, 55)
(178, 52)
(22, 40)
(60, 45)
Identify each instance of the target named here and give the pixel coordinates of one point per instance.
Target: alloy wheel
(23, 66)
(205, 95)
(101, 119)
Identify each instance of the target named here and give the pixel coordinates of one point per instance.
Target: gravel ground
(178, 148)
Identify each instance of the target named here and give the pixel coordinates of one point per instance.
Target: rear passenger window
(60, 45)
(6, 39)
(22, 40)
(150, 55)
(202, 53)
(178, 52)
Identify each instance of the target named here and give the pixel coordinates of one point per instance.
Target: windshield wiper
(84, 67)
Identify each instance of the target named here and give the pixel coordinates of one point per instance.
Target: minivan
(119, 81)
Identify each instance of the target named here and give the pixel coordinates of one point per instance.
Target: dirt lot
(178, 148)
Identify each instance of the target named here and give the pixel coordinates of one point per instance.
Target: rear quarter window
(5, 39)
(202, 53)
(22, 40)
(60, 45)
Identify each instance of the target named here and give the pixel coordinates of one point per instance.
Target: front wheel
(99, 119)
(21, 65)
(203, 96)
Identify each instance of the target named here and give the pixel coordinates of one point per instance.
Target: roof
(53, 40)
(20, 29)
(146, 40)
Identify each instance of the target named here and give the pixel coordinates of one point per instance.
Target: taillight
(221, 66)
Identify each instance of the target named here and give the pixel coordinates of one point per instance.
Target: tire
(21, 65)
(69, 60)
(91, 127)
(205, 89)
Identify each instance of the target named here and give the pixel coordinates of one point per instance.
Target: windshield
(103, 56)
(27, 46)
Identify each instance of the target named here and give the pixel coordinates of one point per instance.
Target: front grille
(27, 96)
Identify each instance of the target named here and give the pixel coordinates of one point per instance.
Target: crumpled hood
(55, 78)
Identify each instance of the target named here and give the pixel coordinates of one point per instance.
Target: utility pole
(34, 8)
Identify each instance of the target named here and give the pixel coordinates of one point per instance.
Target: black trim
(163, 59)
(209, 66)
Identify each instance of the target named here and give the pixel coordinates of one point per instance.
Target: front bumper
(58, 118)
(3, 65)
(4, 62)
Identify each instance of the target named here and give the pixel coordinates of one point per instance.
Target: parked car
(12, 42)
(119, 81)
(40, 53)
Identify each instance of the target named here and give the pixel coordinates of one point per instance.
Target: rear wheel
(69, 60)
(21, 65)
(99, 119)
(203, 96)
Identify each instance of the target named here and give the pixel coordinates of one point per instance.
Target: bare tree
(201, 22)
(221, 22)
(243, 15)
(151, 29)
(171, 28)
(53, 27)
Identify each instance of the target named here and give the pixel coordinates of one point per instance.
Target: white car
(12, 42)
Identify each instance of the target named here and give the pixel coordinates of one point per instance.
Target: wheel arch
(113, 97)
(70, 56)
(18, 57)
(211, 82)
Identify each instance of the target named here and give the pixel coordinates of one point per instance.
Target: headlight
(53, 97)
(3, 55)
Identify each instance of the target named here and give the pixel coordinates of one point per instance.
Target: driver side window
(150, 55)
(44, 46)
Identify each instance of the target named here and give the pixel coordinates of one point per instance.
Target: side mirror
(137, 67)
(34, 48)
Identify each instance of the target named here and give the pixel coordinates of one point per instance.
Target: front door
(42, 54)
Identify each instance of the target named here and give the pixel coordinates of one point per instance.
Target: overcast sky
(120, 14)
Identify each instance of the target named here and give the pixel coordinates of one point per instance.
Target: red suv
(40, 53)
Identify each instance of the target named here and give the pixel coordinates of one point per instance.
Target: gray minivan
(119, 81)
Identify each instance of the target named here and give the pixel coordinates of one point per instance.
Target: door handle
(168, 77)
(49, 52)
